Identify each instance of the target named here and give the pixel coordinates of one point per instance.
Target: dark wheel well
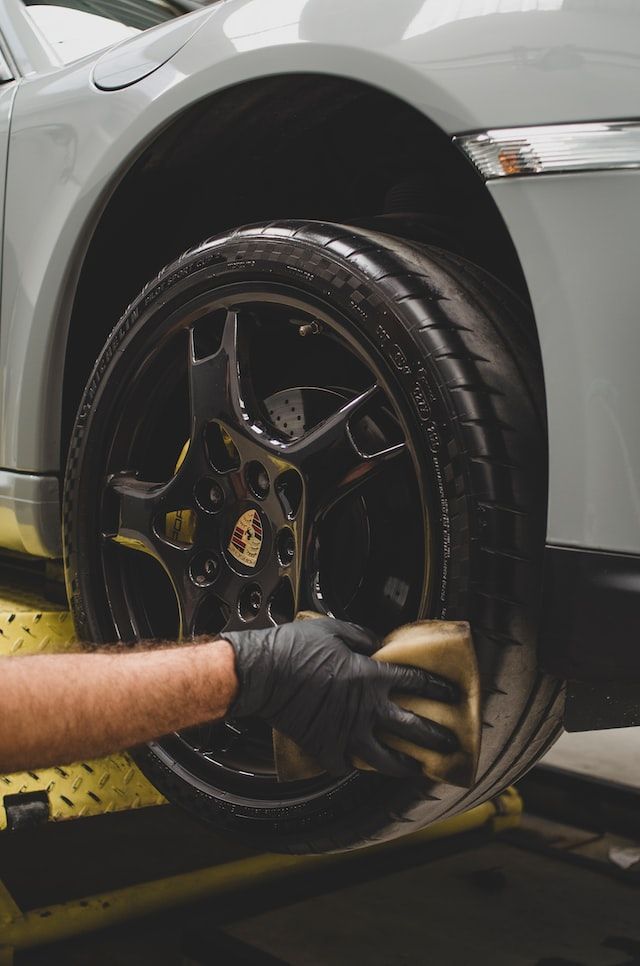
(295, 146)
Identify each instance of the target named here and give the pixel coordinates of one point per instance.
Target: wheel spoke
(310, 574)
(188, 597)
(138, 503)
(227, 589)
(330, 459)
(365, 467)
(331, 432)
(215, 736)
(219, 384)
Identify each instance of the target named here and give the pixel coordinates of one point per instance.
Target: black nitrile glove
(313, 681)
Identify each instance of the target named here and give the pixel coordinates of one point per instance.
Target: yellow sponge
(441, 647)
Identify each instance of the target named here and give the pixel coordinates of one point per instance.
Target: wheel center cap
(246, 538)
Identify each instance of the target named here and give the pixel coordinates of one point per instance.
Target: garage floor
(500, 904)
(612, 756)
(542, 895)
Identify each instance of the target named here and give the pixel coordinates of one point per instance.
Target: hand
(313, 681)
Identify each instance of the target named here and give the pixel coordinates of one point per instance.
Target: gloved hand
(313, 681)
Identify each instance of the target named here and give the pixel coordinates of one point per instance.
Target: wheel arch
(346, 171)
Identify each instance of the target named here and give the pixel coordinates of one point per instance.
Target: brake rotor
(293, 411)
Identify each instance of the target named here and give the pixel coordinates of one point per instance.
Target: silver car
(331, 305)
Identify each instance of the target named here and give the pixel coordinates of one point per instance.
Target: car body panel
(577, 237)
(30, 513)
(7, 95)
(28, 503)
(131, 61)
(466, 66)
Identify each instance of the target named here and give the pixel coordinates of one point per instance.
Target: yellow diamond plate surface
(29, 625)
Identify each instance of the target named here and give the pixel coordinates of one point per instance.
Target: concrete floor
(543, 895)
(610, 755)
(499, 905)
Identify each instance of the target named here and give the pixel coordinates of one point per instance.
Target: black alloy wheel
(251, 526)
(263, 434)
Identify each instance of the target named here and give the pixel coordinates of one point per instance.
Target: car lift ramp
(31, 625)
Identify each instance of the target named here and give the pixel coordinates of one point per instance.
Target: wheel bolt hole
(209, 495)
(204, 569)
(221, 450)
(250, 602)
(289, 490)
(286, 546)
(257, 479)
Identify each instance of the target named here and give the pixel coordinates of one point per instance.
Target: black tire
(458, 355)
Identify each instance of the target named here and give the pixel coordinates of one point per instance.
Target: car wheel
(311, 416)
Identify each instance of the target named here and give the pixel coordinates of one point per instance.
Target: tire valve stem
(310, 328)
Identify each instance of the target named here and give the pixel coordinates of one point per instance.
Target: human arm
(313, 680)
(58, 708)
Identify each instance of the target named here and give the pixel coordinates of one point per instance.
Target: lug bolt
(203, 569)
(258, 479)
(209, 495)
(286, 546)
(216, 496)
(250, 602)
(255, 599)
(262, 480)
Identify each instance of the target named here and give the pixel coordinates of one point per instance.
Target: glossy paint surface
(577, 236)
(466, 64)
(126, 64)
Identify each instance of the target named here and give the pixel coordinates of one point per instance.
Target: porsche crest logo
(246, 539)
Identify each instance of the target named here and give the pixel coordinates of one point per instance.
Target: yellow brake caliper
(180, 525)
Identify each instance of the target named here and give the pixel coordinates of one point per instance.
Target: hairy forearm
(59, 708)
